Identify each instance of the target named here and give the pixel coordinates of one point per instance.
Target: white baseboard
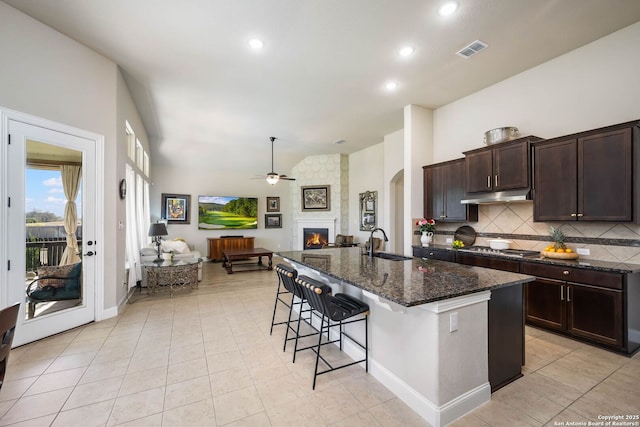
(435, 415)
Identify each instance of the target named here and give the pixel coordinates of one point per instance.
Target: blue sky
(44, 192)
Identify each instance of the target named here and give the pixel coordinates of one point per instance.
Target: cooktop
(520, 253)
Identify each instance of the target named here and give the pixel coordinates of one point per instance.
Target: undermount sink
(392, 257)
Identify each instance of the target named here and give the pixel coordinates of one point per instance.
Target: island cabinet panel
(503, 167)
(503, 264)
(218, 245)
(587, 176)
(582, 310)
(506, 336)
(444, 188)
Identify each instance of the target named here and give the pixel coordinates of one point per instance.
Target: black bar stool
(335, 308)
(279, 294)
(287, 277)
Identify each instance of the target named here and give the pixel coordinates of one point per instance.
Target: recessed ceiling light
(448, 8)
(406, 51)
(391, 85)
(256, 44)
(340, 141)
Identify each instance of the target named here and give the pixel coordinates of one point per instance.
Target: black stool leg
(366, 343)
(275, 306)
(286, 335)
(315, 372)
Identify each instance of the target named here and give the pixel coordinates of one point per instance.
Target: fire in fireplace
(315, 238)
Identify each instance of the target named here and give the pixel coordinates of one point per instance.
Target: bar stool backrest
(316, 293)
(288, 277)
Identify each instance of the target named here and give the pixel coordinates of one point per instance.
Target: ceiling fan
(272, 177)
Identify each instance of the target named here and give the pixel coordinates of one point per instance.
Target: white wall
(366, 173)
(186, 180)
(126, 112)
(591, 87)
(48, 75)
(393, 201)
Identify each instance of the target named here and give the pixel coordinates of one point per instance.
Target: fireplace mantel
(322, 222)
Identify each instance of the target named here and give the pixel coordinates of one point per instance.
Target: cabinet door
(605, 178)
(433, 192)
(479, 171)
(545, 303)
(555, 181)
(595, 313)
(454, 191)
(511, 167)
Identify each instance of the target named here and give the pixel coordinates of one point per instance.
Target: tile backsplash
(614, 242)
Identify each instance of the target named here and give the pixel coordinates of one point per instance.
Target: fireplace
(315, 238)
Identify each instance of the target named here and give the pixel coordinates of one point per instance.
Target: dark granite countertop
(408, 283)
(590, 264)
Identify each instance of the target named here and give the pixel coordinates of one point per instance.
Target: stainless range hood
(497, 197)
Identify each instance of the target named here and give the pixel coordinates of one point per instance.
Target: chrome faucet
(386, 239)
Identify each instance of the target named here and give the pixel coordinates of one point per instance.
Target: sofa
(178, 247)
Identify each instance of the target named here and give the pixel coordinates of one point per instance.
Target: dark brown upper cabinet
(444, 188)
(589, 176)
(500, 167)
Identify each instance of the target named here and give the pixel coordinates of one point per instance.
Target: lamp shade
(158, 229)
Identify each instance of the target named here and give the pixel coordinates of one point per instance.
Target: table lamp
(156, 231)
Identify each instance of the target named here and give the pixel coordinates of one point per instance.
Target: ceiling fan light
(272, 178)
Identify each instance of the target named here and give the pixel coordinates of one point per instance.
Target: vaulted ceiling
(206, 97)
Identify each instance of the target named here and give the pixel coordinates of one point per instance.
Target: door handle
(488, 181)
(496, 181)
(562, 293)
(568, 294)
(90, 253)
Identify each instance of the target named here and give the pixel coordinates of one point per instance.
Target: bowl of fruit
(558, 249)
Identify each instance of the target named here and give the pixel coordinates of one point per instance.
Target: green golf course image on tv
(227, 213)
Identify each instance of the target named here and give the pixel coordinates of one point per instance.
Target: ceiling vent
(472, 49)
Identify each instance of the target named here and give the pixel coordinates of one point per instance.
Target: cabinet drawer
(570, 274)
(489, 262)
(439, 254)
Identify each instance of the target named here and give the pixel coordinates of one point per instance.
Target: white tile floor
(205, 358)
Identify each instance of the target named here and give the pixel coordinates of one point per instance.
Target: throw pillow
(60, 271)
(146, 251)
(175, 246)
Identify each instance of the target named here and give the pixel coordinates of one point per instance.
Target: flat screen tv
(225, 213)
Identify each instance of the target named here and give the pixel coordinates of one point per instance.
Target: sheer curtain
(137, 214)
(71, 176)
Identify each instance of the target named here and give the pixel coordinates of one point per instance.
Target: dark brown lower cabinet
(595, 313)
(580, 310)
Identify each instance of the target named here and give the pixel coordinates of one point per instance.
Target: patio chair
(54, 284)
(8, 319)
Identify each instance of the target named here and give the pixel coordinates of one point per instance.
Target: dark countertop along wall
(589, 264)
(408, 283)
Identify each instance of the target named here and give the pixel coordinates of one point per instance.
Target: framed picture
(272, 220)
(368, 202)
(316, 198)
(273, 204)
(176, 208)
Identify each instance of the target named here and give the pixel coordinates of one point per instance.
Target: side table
(176, 275)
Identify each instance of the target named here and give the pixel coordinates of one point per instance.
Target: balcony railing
(47, 252)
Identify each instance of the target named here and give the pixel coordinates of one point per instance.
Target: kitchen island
(428, 326)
